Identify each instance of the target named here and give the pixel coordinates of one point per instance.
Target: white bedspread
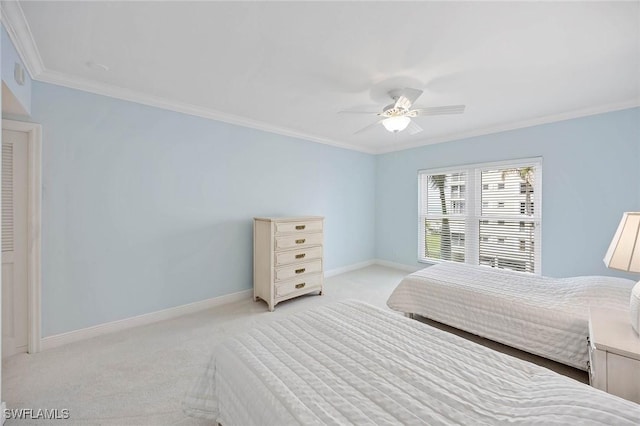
(544, 316)
(352, 363)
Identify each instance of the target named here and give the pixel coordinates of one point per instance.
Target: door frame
(34, 228)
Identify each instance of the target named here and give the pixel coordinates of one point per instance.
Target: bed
(352, 363)
(541, 315)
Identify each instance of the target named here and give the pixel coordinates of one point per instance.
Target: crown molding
(85, 85)
(547, 119)
(20, 34)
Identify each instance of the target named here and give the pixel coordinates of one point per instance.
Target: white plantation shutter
(443, 209)
(510, 217)
(487, 214)
(7, 197)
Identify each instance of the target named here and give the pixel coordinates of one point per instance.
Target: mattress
(352, 363)
(541, 315)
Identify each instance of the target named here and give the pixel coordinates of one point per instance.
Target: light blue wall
(145, 209)
(590, 176)
(9, 58)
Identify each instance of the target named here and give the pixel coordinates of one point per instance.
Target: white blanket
(352, 363)
(544, 316)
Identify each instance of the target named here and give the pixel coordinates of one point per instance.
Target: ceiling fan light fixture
(396, 124)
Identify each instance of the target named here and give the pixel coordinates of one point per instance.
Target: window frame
(473, 208)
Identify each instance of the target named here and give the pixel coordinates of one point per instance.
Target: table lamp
(624, 255)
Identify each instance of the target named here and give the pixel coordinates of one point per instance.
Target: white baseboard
(360, 265)
(50, 342)
(348, 268)
(395, 265)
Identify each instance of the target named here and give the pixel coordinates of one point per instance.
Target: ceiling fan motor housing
(392, 111)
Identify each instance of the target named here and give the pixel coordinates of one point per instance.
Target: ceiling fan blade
(405, 97)
(441, 110)
(370, 126)
(413, 128)
(358, 112)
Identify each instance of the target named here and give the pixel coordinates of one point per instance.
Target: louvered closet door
(14, 243)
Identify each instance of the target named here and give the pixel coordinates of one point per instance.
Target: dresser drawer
(290, 271)
(623, 377)
(302, 240)
(302, 285)
(298, 227)
(292, 256)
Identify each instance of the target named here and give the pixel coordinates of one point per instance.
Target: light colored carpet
(139, 376)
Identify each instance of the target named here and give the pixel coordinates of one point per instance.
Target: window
(457, 191)
(441, 217)
(457, 206)
(526, 207)
(482, 214)
(486, 260)
(525, 187)
(457, 239)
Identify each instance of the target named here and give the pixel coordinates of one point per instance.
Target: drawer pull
(301, 241)
(301, 285)
(301, 270)
(301, 255)
(300, 227)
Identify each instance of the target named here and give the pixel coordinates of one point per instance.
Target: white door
(14, 242)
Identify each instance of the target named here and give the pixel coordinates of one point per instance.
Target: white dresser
(614, 353)
(287, 257)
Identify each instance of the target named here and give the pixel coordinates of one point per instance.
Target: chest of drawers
(287, 257)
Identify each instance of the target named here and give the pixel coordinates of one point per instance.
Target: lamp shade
(624, 251)
(396, 124)
(624, 254)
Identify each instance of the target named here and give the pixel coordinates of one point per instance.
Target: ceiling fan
(397, 116)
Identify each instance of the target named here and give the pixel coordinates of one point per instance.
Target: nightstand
(614, 353)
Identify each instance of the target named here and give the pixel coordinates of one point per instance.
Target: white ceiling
(289, 67)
